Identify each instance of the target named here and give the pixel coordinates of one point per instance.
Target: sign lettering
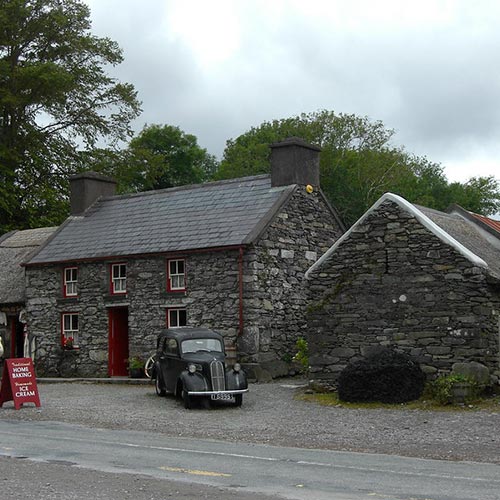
(19, 383)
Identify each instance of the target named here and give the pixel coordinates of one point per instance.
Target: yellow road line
(195, 472)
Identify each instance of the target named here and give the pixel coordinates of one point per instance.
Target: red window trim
(65, 292)
(169, 288)
(65, 313)
(168, 315)
(111, 283)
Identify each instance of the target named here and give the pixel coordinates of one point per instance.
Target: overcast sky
(429, 69)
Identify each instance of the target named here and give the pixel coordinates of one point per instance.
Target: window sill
(68, 300)
(174, 293)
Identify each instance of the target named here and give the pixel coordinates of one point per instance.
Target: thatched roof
(16, 247)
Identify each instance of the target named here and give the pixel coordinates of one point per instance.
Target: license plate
(222, 397)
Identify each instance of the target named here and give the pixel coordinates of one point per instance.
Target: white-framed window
(176, 317)
(69, 330)
(118, 278)
(176, 275)
(70, 282)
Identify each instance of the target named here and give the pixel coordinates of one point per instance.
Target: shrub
(442, 389)
(386, 376)
(302, 356)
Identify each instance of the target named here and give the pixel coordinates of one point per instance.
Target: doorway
(16, 338)
(118, 342)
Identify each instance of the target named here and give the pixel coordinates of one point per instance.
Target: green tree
(358, 164)
(55, 96)
(161, 156)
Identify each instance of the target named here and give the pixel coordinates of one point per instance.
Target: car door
(172, 364)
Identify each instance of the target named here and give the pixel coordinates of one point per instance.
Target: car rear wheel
(159, 388)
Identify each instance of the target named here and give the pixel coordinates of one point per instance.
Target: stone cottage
(15, 248)
(421, 281)
(228, 255)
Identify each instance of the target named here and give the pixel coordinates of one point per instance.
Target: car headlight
(237, 367)
(191, 368)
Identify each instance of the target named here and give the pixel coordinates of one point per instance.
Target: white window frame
(176, 311)
(72, 329)
(176, 280)
(71, 284)
(119, 281)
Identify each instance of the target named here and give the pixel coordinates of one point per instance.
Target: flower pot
(136, 372)
(461, 392)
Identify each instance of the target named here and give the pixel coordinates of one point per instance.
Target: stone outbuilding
(421, 281)
(228, 255)
(15, 248)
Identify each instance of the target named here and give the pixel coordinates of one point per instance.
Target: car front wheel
(160, 390)
(188, 400)
(238, 399)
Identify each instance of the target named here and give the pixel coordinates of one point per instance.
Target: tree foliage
(55, 95)
(358, 164)
(161, 156)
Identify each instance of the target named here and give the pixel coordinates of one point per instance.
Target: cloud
(217, 68)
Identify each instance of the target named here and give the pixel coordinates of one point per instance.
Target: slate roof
(216, 214)
(15, 248)
(463, 234)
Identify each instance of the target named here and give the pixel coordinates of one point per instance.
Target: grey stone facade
(275, 296)
(211, 300)
(273, 305)
(393, 282)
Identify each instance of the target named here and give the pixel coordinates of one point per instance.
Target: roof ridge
(186, 187)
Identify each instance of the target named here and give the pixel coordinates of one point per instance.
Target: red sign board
(19, 383)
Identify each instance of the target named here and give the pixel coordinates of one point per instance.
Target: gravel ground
(271, 415)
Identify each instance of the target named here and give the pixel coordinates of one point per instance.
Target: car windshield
(194, 345)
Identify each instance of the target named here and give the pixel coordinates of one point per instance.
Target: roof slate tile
(202, 216)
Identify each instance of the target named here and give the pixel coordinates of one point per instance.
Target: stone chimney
(86, 187)
(294, 161)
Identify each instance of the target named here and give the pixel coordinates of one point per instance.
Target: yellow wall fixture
(309, 188)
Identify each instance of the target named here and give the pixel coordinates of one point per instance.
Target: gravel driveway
(271, 415)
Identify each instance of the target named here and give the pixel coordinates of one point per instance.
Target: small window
(176, 317)
(176, 275)
(118, 278)
(170, 346)
(70, 282)
(69, 337)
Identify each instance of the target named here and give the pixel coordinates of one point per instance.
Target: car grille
(217, 375)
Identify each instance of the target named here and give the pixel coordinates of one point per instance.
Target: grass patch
(491, 404)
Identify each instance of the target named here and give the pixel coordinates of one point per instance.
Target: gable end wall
(275, 295)
(394, 283)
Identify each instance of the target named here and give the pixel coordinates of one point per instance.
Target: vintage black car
(191, 363)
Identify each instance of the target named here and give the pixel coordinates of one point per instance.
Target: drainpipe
(240, 275)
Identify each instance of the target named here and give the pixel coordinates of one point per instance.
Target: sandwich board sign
(19, 383)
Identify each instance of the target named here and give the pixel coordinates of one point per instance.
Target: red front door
(118, 342)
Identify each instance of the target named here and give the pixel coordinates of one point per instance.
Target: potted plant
(69, 343)
(136, 367)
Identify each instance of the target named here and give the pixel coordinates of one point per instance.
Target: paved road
(293, 473)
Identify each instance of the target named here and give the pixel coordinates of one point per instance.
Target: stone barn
(415, 279)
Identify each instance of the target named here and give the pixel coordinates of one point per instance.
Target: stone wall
(211, 300)
(394, 283)
(275, 296)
